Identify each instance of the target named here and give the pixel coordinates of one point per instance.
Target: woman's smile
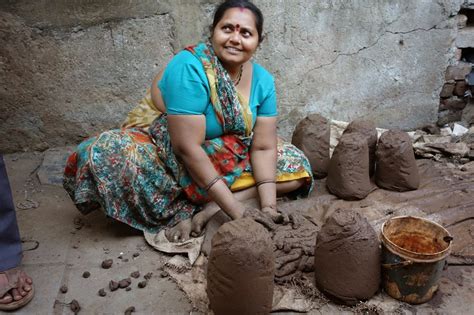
(233, 50)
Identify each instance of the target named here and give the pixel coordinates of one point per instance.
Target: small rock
(431, 129)
(164, 274)
(75, 307)
(460, 149)
(130, 310)
(148, 276)
(63, 289)
(142, 284)
(124, 283)
(446, 131)
(106, 264)
(136, 255)
(135, 274)
(102, 292)
(125, 260)
(113, 285)
(459, 130)
(468, 167)
(86, 274)
(128, 288)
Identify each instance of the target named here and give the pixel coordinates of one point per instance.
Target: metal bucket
(414, 253)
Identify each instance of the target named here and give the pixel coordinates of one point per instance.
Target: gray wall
(69, 69)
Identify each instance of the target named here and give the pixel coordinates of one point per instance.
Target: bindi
(237, 27)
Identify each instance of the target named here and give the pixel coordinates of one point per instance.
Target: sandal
(13, 276)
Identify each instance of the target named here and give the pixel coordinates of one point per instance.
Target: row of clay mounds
(312, 135)
(241, 269)
(396, 164)
(348, 172)
(347, 258)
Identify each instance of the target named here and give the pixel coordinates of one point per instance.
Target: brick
(458, 72)
(458, 54)
(447, 90)
(453, 103)
(447, 116)
(465, 37)
(460, 88)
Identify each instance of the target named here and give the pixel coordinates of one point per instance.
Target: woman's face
(235, 37)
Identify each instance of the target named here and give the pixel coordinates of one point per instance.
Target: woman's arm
(263, 156)
(187, 133)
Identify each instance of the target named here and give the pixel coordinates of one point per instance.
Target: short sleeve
(268, 106)
(184, 86)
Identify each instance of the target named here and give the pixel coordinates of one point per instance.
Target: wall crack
(435, 27)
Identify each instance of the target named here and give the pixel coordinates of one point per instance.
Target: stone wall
(456, 96)
(69, 69)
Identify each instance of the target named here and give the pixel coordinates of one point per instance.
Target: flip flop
(12, 276)
(14, 305)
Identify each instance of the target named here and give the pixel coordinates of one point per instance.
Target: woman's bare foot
(180, 232)
(200, 219)
(20, 282)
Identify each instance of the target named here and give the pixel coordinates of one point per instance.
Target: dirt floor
(60, 245)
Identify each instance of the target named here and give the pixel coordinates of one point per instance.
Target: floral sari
(133, 174)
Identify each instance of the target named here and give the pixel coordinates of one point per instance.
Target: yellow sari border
(246, 180)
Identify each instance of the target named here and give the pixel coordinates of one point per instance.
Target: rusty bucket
(414, 254)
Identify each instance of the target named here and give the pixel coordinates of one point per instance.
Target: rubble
(456, 142)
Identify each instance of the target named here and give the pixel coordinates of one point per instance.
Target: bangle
(265, 181)
(211, 183)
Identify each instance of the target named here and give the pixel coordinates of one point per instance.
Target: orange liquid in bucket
(418, 243)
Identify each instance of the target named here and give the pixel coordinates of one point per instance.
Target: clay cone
(241, 269)
(348, 173)
(396, 165)
(347, 258)
(312, 136)
(368, 130)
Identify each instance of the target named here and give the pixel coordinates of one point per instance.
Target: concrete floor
(70, 244)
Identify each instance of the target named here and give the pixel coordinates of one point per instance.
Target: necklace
(237, 81)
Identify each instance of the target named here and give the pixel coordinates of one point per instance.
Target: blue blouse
(185, 91)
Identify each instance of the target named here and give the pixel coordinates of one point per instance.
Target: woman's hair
(244, 4)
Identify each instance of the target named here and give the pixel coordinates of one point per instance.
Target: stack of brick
(455, 99)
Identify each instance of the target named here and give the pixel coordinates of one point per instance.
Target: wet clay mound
(368, 130)
(294, 248)
(241, 269)
(396, 164)
(312, 136)
(347, 258)
(348, 173)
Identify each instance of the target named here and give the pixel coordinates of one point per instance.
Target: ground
(60, 245)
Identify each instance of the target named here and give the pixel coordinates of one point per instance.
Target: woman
(210, 141)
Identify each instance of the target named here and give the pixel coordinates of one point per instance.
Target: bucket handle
(398, 265)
